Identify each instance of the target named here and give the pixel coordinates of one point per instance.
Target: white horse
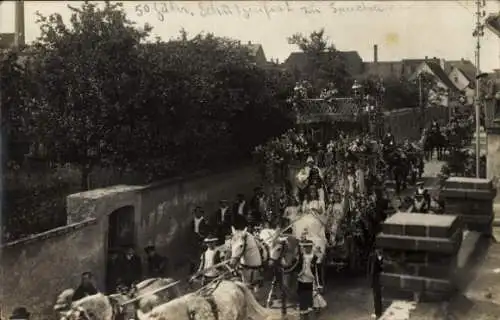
(149, 301)
(101, 306)
(94, 307)
(251, 254)
(225, 300)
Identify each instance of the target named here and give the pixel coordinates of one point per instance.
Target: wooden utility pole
(478, 33)
(421, 103)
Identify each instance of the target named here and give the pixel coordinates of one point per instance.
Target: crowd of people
(342, 180)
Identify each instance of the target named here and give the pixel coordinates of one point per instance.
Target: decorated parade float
(335, 140)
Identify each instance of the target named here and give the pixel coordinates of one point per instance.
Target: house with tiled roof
(257, 53)
(442, 80)
(492, 22)
(463, 75)
(404, 68)
(383, 69)
(300, 63)
(411, 66)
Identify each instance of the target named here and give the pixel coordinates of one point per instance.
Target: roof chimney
(375, 53)
(19, 24)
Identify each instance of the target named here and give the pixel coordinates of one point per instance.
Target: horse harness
(284, 268)
(207, 295)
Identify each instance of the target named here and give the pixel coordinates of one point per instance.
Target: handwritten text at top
(160, 10)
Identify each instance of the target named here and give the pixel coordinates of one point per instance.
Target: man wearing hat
(157, 264)
(240, 212)
(20, 313)
(208, 259)
(200, 228)
(375, 265)
(421, 202)
(222, 220)
(86, 287)
(307, 267)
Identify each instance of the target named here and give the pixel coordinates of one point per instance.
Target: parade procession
(314, 217)
(152, 175)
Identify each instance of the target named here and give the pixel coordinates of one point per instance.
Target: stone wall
(166, 208)
(35, 270)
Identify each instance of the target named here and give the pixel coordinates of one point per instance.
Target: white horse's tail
(254, 311)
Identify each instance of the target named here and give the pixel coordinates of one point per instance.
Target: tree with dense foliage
(150, 107)
(99, 95)
(87, 78)
(325, 64)
(15, 104)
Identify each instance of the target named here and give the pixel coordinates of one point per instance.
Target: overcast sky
(402, 29)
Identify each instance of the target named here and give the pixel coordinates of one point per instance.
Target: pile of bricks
(472, 199)
(420, 256)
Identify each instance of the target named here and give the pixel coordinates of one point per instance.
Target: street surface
(351, 298)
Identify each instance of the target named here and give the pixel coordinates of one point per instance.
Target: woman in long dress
(291, 211)
(312, 202)
(335, 212)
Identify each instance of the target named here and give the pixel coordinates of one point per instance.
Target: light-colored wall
(458, 78)
(166, 210)
(36, 270)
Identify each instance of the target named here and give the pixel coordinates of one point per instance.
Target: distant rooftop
(6, 40)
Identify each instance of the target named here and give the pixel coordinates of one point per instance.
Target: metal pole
(478, 82)
(420, 102)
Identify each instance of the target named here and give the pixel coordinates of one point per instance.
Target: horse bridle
(237, 258)
(286, 269)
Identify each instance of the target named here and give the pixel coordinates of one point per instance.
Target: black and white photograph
(250, 160)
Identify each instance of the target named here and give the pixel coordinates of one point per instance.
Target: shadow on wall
(166, 208)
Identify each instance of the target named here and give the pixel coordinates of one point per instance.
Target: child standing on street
(306, 278)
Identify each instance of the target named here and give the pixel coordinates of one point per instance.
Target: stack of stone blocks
(472, 199)
(420, 256)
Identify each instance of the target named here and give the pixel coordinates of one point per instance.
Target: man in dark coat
(256, 210)
(222, 221)
(113, 272)
(157, 264)
(131, 268)
(240, 212)
(199, 228)
(86, 287)
(376, 263)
